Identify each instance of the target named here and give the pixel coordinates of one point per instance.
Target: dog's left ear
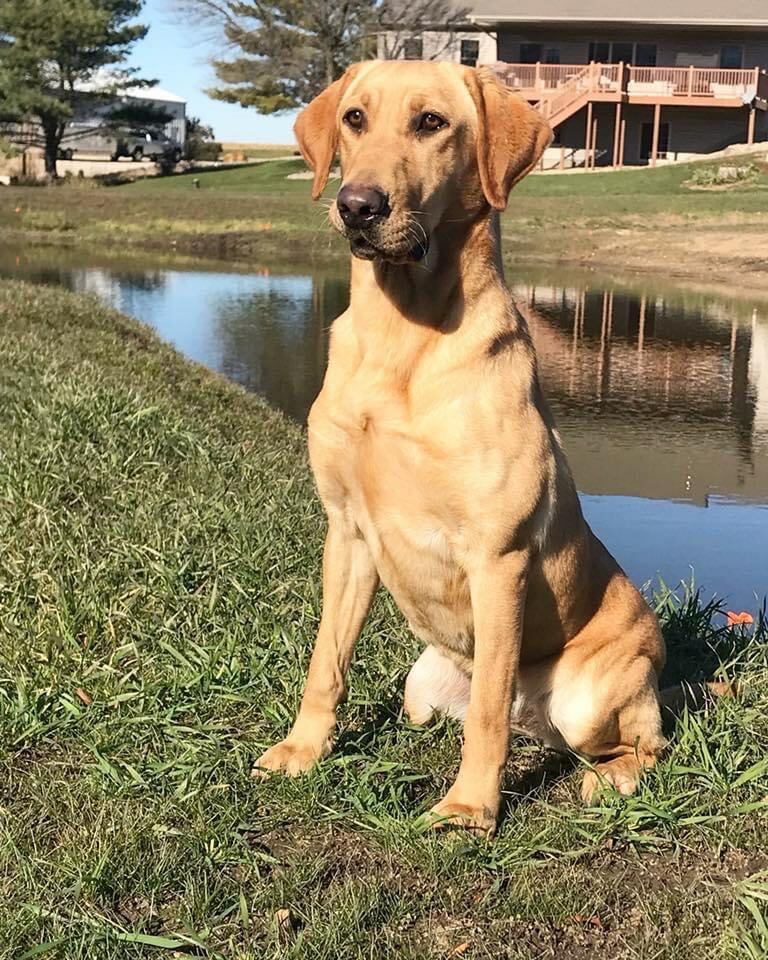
(317, 131)
(511, 135)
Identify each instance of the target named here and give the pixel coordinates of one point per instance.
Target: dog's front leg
(349, 584)
(497, 587)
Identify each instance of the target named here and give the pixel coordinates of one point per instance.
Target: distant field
(260, 150)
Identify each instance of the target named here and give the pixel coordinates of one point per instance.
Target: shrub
(8, 149)
(723, 175)
(203, 149)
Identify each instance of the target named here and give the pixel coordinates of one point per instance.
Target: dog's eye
(354, 119)
(430, 122)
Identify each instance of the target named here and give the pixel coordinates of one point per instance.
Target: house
(89, 131)
(669, 80)
(86, 131)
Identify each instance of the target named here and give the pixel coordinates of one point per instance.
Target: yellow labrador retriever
(437, 459)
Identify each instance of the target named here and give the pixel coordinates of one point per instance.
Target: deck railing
(539, 76)
(690, 82)
(567, 94)
(547, 80)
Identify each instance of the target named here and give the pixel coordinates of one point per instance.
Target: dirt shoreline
(624, 254)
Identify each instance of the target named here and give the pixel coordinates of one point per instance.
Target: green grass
(661, 181)
(258, 178)
(159, 570)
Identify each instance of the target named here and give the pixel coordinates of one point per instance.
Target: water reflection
(266, 331)
(286, 360)
(674, 396)
(661, 396)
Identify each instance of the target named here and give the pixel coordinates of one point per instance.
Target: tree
(199, 144)
(55, 54)
(286, 51)
(197, 130)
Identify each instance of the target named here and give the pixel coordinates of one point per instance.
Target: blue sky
(174, 54)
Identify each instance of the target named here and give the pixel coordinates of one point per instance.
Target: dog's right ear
(317, 131)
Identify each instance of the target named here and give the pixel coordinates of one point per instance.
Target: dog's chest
(379, 472)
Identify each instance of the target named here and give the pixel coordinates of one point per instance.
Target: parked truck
(140, 143)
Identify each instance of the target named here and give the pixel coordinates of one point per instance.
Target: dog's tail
(694, 697)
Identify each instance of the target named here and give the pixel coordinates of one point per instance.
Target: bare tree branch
(278, 54)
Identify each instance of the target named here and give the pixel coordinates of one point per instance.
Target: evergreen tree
(54, 53)
(287, 51)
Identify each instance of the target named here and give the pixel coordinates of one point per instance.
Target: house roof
(104, 79)
(152, 93)
(688, 13)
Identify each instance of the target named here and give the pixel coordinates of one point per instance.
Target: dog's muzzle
(361, 207)
(367, 222)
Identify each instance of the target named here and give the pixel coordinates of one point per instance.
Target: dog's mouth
(364, 248)
(392, 239)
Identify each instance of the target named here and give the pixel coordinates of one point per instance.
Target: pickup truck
(138, 144)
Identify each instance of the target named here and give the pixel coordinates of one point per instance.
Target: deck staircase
(569, 98)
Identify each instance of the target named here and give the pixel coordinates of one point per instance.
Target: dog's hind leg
(435, 685)
(607, 710)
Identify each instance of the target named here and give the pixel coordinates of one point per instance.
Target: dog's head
(420, 143)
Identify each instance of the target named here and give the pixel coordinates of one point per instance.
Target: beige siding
(442, 45)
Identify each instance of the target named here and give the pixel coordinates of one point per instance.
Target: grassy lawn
(631, 219)
(159, 570)
(261, 178)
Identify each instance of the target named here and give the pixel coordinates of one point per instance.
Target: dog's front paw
(621, 774)
(290, 757)
(477, 818)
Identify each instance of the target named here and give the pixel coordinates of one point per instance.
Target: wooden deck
(692, 86)
(560, 90)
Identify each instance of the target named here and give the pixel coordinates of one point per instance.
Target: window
(731, 58)
(622, 52)
(470, 51)
(552, 55)
(646, 141)
(645, 55)
(413, 48)
(530, 52)
(640, 54)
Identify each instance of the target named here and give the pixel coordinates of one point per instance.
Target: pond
(660, 393)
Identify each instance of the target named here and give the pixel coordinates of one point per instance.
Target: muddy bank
(726, 258)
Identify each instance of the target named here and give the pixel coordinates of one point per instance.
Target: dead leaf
(84, 696)
(285, 924)
(460, 950)
(593, 921)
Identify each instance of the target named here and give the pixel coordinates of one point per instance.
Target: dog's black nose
(359, 206)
